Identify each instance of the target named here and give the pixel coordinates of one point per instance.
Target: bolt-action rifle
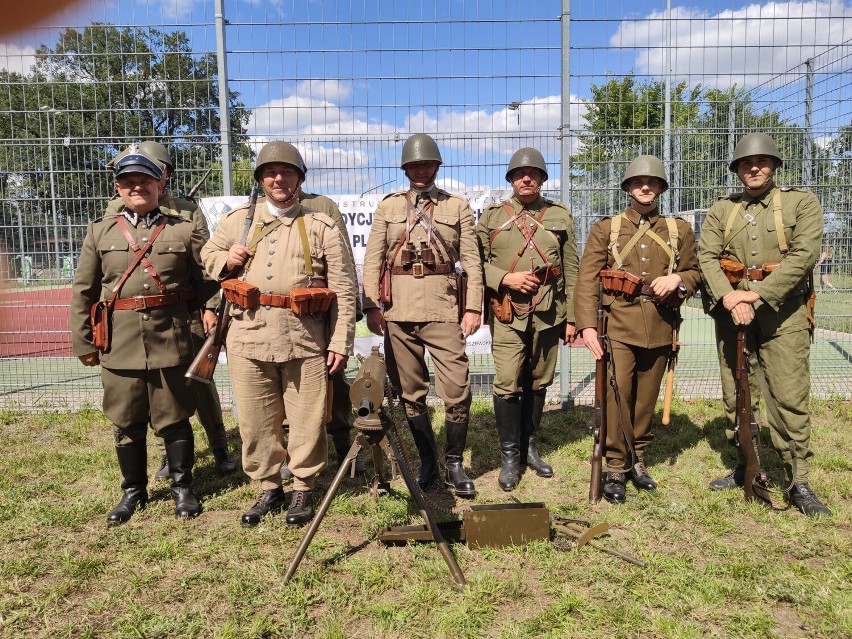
(746, 427)
(204, 364)
(596, 482)
(667, 401)
(199, 184)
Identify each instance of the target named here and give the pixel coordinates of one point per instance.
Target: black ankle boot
(133, 461)
(613, 488)
(424, 439)
(532, 408)
(508, 415)
(454, 475)
(181, 454)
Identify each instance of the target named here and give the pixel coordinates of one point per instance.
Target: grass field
(716, 567)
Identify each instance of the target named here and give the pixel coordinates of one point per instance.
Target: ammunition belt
(736, 272)
(274, 301)
(617, 282)
(143, 302)
(421, 269)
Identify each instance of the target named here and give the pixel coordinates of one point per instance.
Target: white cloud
(746, 46)
(176, 8)
(15, 58)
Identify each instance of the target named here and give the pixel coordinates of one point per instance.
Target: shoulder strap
(146, 264)
(779, 222)
(614, 229)
(306, 248)
(730, 223)
(140, 255)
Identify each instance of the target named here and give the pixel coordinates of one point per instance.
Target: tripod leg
(323, 509)
(431, 524)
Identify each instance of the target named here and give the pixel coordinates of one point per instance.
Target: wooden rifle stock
(204, 364)
(596, 481)
(745, 419)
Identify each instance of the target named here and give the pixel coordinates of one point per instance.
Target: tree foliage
(102, 87)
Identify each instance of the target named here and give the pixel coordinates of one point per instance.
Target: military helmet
(279, 152)
(158, 152)
(648, 166)
(529, 157)
(755, 144)
(135, 161)
(420, 148)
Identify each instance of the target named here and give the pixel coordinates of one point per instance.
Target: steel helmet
(158, 152)
(280, 152)
(648, 166)
(755, 144)
(529, 157)
(420, 148)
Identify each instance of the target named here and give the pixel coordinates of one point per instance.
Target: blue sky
(348, 77)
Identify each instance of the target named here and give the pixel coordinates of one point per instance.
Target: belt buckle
(139, 303)
(417, 269)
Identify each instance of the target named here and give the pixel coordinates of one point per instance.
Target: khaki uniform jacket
(432, 298)
(755, 243)
(154, 338)
(270, 334)
(555, 239)
(634, 320)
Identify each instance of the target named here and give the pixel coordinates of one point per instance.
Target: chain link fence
(589, 84)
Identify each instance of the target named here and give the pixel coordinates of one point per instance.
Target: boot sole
(460, 493)
(615, 500)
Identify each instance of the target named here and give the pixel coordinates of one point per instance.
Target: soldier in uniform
(639, 320)
(143, 367)
(209, 407)
(276, 357)
(530, 260)
(761, 227)
(341, 409)
(424, 234)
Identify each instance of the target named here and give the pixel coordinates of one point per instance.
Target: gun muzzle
(365, 407)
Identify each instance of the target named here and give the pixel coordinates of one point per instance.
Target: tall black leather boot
(133, 462)
(181, 454)
(424, 439)
(508, 414)
(532, 404)
(454, 475)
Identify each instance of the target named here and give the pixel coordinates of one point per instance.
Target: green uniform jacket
(634, 320)
(755, 243)
(154, 338)
(556, 240)
(433, 298)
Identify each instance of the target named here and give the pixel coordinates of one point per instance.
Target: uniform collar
(285, 215)
(429, 194)
(634, 217)
(763, 199)
(535, 205)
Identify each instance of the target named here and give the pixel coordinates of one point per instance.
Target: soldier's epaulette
(792, 188)
(242, 207)
(395, 194)
(450, 195)
(319, 216)
(733, 197)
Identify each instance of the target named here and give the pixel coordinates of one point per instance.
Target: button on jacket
(634, 320)
(432, 298)
(271, 334)
(151, 338)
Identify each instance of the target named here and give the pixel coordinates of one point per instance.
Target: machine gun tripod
(367, 393)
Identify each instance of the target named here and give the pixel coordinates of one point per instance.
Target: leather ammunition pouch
(100, 318)
(240, 293)
(736, 272)
(307, 301)
(501, 306)
(617, 282)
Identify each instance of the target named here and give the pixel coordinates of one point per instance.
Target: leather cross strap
(143, 302)
(136, 260)
(146, 264)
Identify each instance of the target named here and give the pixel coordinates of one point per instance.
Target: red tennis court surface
(35, 323)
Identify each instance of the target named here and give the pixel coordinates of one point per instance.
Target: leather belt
(550, 274)
(143, 302)
(275, 301)
(419, 269)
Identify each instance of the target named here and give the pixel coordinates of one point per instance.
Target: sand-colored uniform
(639, 330)
(150, 349)
(276, 357)
(525, 350)
(778, 335)
(425, 310)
